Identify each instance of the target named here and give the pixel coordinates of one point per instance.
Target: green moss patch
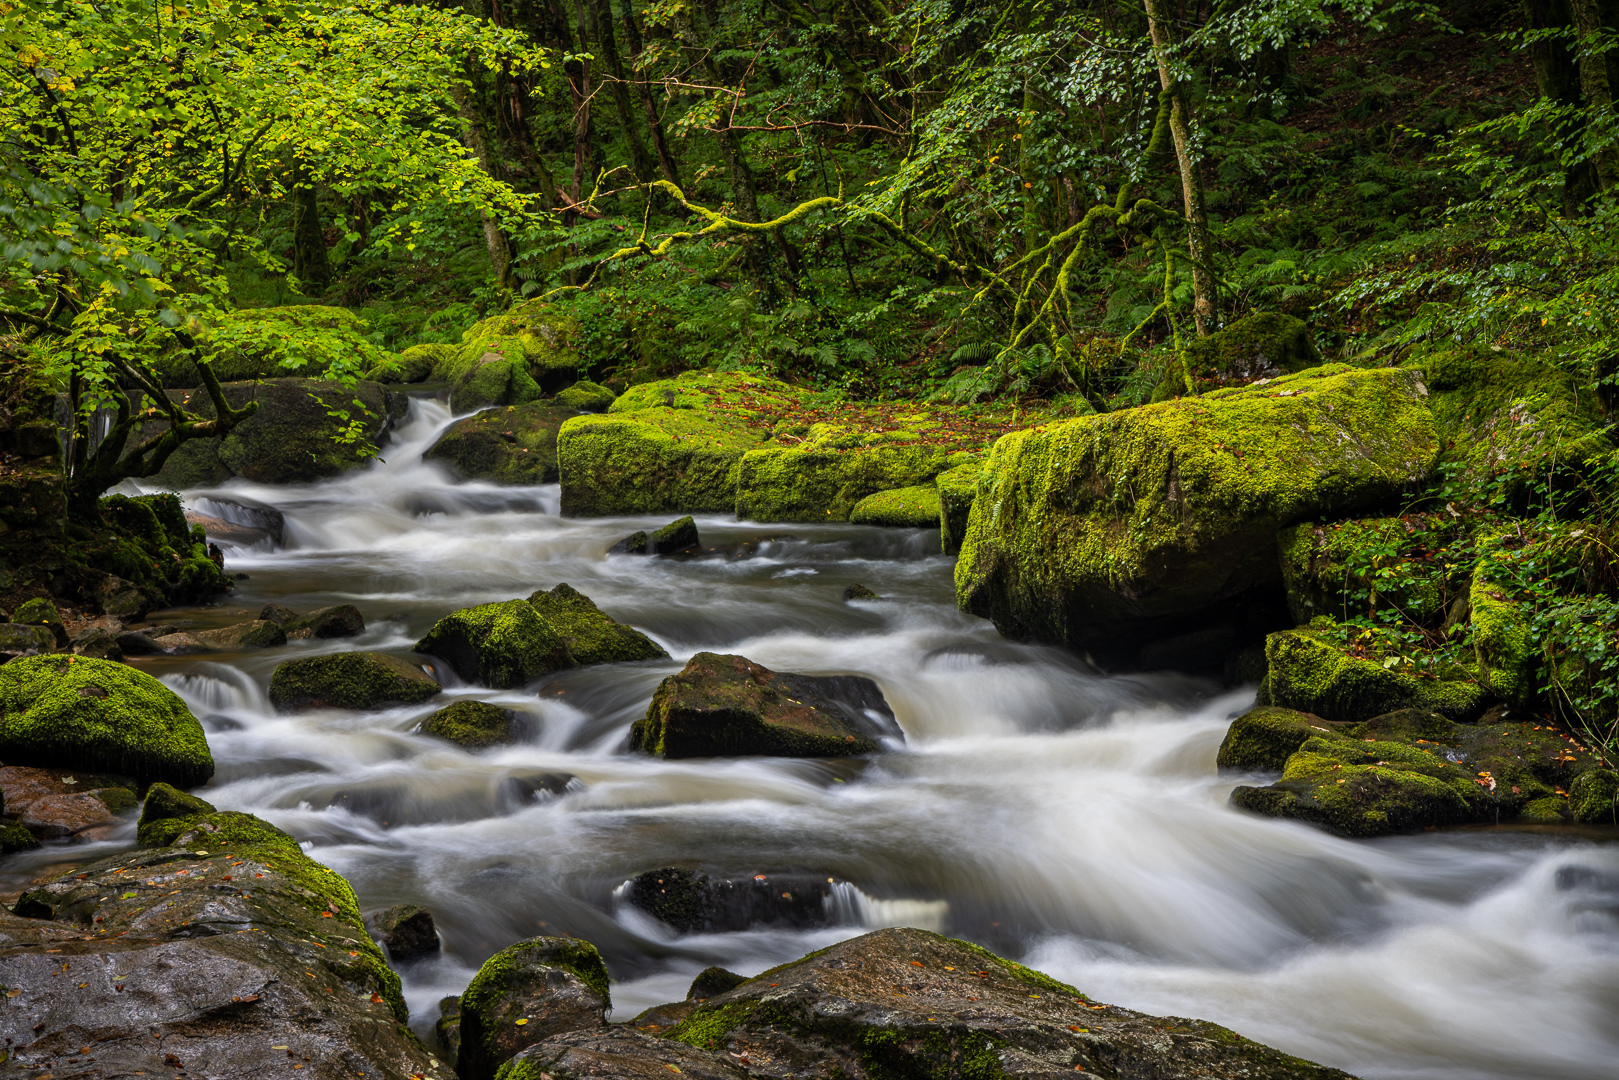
(1264, 737)
(497, 645)
(903, 508)
(591, 636)
(474, 725)
(352, 680)
(1307, 671)
(516, 444)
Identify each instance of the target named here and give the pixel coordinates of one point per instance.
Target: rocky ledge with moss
(218, 949)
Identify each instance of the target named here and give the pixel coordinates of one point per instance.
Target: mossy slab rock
(585, 396)
(74, 712)
(498, 645)
(958, 486)
(724, 706)
(512, 358)
(964, 1013)
(1261, 346)
(18, 639)
(1509, 659)
(591, 636)
(350, 680)
(523, 994)
(1264, 737)
(515, 444)
(824, 477)
(292, 438)
(213, 946)
(1127, 526)
(475, 725)
(1307, 671)
(902, 508)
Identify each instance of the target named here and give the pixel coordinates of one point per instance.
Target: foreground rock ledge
(907, 1003)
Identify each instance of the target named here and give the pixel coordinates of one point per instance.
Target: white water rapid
(1073, 821)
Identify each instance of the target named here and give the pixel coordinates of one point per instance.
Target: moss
(487, 1004)
(1260, 346)
(116, 799)
(78, 713)
(899, 1054)
(1306, 672)
(350, 680)
(14, 838)
(41, 612)
(1316, 559)
(656, 460)
(713, 981)
(473, 725)
(958, 486)
(707, 1027)
(1593, 798)
(730, 392)
(586, 396)
(512, 445)
(591, 636)
(167, 803)
(1508, 658)
(415, 365)
(824, 477)
(497, 645)
(906, 508)
(1117, 526)
(512, 358)
(1264, 737)
(1038, 979)
(1548, 808)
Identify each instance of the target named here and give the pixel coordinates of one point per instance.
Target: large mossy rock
(958, 486)
(1112, 530)
(905, 1003)
(512, 445)
(725, 706)
(148, 556)
(592, 637)
(498, 645)
(350, 680)
(535, 989)
(1258, 347)
(1308, 670)
(74, 712)
(669, 446)
(414, 365)
(222, 951)
(903, 508)
(1412, 769)
(520, 356)
(292, 438)
(826, 475)
(1264, 737)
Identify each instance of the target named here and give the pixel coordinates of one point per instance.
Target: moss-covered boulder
(406, 932)
(40, 611)
(1261, 346)
(73, 712)
(1264, 737)
(497, 645)
(336, 621)
(592, 637)
(957, 486)
(351, 680)
(414, 365)
(824, 476)
(1109, 531)
(148, 555)
(523, 994)
(903, 508)
(585, 396)
(292, 438)
(1593, 797)
(165, 803)
(1311, 670)
(724, 706)
(512, 358)
(1509, 658)
(475, 725)
(19, 639)
(259, 343)
(512, 445)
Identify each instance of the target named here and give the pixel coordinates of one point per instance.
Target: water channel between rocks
(1069, 820)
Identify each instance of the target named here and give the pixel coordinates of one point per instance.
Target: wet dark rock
(207, 956)
(527, 788)
(633, 544)
(354, 680)
(1264, 737)
(55, 804)
(676, 538)
(20, 639)
(535, 989)
(123, 601)
(907, 1003)
(245, 524)
(41, 612)
(712, 981)
(693, 902)
(592, 637)
(722, 705)
(858, 591)
(448, 1026)
(339, 620)
(476, 725)
(74, 712)
(406, 932)
(98, 643)
(512, 445)
(279, 614)
(165, 803)
(497, 645)
(258, 634)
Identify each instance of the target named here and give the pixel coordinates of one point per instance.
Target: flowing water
(1070, 820)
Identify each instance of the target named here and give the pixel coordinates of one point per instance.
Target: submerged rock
(590, 635)
(257, 634)
(512, 445)
(679, 537)
(406, 932)
(475, 725)
(903, 508)
(526, 993)
(74, 712)
(1110, 531)
(55, 804)
(858, 591)
(693, 902)
(210, 953)
(720, 706)
(633, 544)
(497, 645)
(352, 680)
(97, 642)
(903, 1003)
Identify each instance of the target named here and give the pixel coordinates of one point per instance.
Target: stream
(1067, 819)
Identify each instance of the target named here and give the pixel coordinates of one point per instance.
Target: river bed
(1070, 820)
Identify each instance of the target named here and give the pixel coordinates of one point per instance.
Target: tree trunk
(476, 133)
(654, 122)
(607, 42)
(1594, 84)
(1180, 129)
(1557, 77)
(309, 261)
